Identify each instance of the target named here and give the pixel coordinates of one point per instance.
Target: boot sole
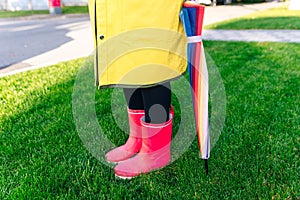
(125, 177)
(131, 177)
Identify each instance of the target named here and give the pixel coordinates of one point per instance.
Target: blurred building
(14, 5)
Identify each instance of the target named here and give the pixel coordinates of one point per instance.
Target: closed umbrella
(192, 18)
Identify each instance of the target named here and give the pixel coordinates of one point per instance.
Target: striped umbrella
(192, 19)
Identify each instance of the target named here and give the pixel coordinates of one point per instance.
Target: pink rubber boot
(155, 151)
(134, 142)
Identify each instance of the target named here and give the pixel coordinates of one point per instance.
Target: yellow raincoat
(139, 43)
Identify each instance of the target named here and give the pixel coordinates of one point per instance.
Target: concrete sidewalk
(80, 42)
(226, 12)
(289, 36)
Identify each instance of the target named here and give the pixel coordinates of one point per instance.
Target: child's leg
(156, 134)
(134, 142)
(134, 98)
(157, 101)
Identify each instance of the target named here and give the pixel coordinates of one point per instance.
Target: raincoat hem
(138, 86)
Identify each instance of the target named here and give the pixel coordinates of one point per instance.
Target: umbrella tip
(206, 166)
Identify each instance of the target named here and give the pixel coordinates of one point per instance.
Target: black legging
(154, 100)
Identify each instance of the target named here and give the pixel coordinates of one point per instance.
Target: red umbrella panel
(192, 18)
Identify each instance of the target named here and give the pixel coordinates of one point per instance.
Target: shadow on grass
(257, 155)
(42, 154)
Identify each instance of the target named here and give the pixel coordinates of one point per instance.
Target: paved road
(37, 41)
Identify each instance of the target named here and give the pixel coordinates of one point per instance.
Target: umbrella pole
(206, 165)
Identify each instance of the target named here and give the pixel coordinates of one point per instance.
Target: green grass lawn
(22, 13)
(276, 18)
(256, 157)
